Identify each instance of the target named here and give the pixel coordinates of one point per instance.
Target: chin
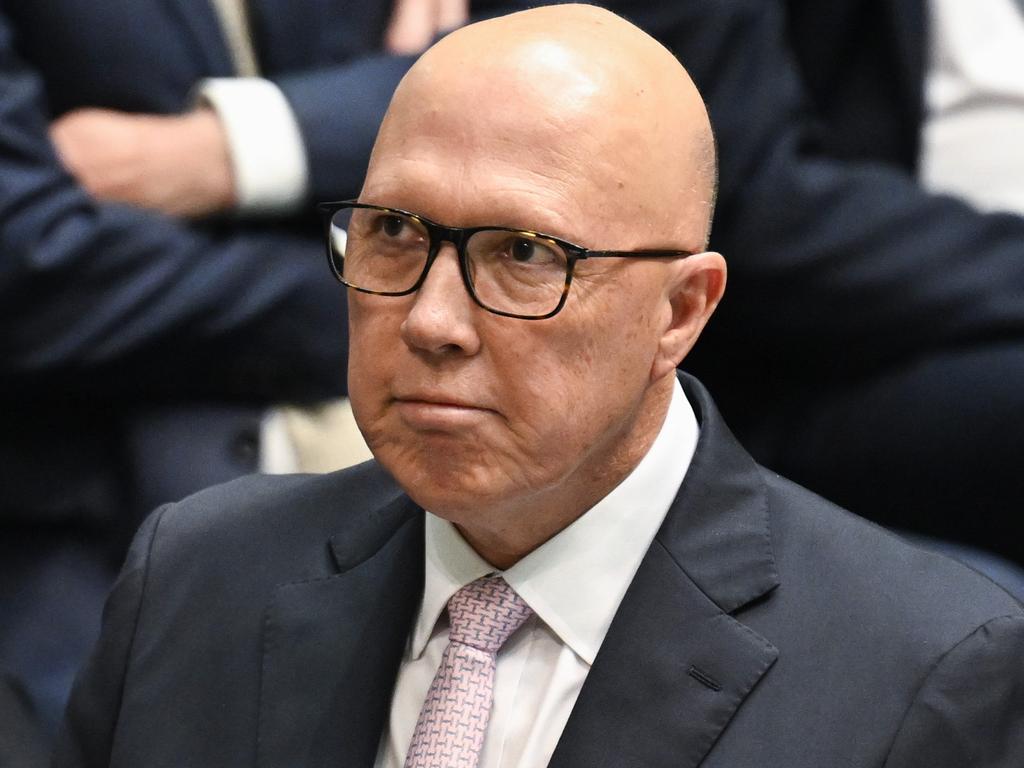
(449, 488)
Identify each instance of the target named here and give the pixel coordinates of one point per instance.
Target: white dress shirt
(574, 583)
(972, 143)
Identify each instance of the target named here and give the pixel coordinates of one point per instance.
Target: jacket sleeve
(339, 109)
(113, 298)
(338, 115)
(86, 739)
(835, 264)
(970, 708)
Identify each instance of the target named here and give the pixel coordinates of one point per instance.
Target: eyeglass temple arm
(649, 254)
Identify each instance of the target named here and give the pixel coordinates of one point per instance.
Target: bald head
(601, 111)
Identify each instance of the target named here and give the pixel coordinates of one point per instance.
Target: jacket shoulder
(839, 562)
(270, 520)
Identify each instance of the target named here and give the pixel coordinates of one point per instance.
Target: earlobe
(693, 293)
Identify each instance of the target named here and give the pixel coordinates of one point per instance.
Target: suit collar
(676, 665)
(332, 646)
(365, 534)
(717, 530)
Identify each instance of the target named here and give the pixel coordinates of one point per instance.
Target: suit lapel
(200, 21)
(332, 646)
(676, 665)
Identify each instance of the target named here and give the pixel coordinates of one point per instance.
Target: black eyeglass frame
(459, 236)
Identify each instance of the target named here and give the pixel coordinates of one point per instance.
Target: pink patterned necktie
(450, 730)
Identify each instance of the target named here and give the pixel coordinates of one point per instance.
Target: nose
(443, 316)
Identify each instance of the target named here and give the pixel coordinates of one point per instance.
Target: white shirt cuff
(268, 156)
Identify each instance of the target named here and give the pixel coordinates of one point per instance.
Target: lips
(438, 399)
(437, 411)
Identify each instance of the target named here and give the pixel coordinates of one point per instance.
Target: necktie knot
(485, 613)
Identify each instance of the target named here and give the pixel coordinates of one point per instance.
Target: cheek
(601, 372)
(613, 346)
(374, 345)
(564, 391)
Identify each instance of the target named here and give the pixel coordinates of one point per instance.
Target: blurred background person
(916, 416)
(161, 280)
(905, 204)
(872, 343)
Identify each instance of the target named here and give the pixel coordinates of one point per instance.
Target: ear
(692, 292)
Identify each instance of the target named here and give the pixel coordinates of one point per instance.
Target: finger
(66, 137)
(452, 14)
(65, 128)
(412, 26)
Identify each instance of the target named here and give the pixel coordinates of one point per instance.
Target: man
(625, 586)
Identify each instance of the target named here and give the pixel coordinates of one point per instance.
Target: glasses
(510, 272)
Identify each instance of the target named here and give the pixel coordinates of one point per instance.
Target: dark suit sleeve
(834, 264)
(339, 111)
(970, 709)
(87, 736)
(340, 108)
(113, 298)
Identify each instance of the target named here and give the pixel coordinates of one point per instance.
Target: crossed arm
(181, 165)
(112, 275)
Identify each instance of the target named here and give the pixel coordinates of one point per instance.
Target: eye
(527, 250)
(523, 250)
(391, 225)
(391, 229)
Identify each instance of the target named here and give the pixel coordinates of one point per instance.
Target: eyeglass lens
(509, 271)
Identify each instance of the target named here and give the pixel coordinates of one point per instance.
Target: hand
(177, 164)
(415, 23)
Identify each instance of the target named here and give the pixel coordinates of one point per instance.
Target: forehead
(465, 157)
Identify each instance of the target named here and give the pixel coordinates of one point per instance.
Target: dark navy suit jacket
(261, 623)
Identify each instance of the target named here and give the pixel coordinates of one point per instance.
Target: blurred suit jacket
(261, 623)
(870, 343)
(138, 351)
(21, 744)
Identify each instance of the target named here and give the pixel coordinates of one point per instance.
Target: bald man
(559, 556)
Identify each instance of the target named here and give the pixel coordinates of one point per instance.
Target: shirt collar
(576, 580)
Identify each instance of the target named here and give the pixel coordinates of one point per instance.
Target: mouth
(439, 412)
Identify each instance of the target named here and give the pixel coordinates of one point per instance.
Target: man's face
(483, 418)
